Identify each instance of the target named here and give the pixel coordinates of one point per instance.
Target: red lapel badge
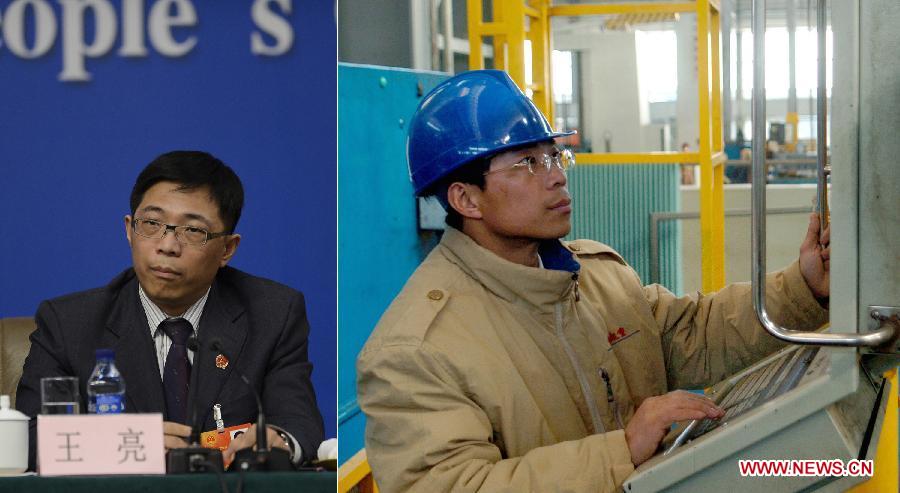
(221, 362)
(614, 337)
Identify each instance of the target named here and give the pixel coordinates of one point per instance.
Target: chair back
(14, 347)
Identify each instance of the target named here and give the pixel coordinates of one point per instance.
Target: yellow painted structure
(623, 22)
(356, 473)
(887, 469)
(514, 21)
(792, 121)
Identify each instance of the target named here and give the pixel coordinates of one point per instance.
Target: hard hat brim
(425, 189)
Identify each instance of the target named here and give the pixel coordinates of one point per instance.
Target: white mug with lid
(14, 435)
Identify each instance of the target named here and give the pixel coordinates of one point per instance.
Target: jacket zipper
(577, 294)
(610, 398)
(579, 374)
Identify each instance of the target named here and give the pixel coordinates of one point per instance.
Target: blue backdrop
(70, 151)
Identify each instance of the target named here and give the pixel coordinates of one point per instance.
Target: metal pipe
(795, 162)
(739, 77)
(822, 116)
(725, 14)
(447, 8)
(657, 217)
(419, 39)
(758, 208)
(792, 60)
(433, 23)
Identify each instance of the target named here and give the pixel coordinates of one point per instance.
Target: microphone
(194, 458)
(263, 458)
(261, 439)
(193, 343)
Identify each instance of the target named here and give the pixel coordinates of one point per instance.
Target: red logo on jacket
(618, 335)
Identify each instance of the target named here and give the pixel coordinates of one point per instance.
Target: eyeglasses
(187, 235)
(563, 160)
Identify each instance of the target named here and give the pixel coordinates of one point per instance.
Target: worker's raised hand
(655, 415)
(815, 256)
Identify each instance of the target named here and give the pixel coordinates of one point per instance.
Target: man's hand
(815, 258)
(248, 439)
(655, 415)
(175, 435)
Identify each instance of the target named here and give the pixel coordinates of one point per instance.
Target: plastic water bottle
(106, 387)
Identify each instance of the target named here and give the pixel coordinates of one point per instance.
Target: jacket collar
(222, 319)
(515, 283)
(136, 354)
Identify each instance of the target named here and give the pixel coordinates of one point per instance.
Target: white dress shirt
(155, 316)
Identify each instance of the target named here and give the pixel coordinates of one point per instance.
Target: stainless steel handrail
(821, 118)
(758, 203)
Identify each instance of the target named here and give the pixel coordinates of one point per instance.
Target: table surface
(253, 482)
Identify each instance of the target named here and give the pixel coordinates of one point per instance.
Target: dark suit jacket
(263, 328)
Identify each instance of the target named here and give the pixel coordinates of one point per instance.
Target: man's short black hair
(191, 170)
(470, 173)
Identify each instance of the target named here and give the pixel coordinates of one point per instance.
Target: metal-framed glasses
(187, 235)
(562, 159)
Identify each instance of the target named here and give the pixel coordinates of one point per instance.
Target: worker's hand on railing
(815, 255)
(652, 419)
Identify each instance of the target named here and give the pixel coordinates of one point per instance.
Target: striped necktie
(177, 372)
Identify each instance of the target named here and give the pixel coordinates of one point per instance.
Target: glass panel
(616, 80)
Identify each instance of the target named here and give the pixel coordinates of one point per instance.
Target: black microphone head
(216, 345)
(193, 343)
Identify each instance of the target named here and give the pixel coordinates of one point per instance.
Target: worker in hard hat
(513, 361)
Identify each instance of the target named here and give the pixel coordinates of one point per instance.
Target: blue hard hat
(473, 115)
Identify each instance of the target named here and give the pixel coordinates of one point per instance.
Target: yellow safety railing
(887, 469)
(792, 121)
(356, 473)
(509, 34)
(509, 30)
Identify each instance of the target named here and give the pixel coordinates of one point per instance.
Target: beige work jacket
(486, 375)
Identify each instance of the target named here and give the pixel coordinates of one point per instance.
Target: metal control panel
(823, 399)
(783, 407)
(753, 387)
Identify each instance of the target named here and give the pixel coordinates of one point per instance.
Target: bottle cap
(7, 414)
(105, 354)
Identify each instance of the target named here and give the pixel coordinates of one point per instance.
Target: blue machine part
(378, 238)
(613, 203)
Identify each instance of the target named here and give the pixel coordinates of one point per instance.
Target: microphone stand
(194, 458)
(263, 458)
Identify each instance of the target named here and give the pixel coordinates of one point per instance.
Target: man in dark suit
(184, 209)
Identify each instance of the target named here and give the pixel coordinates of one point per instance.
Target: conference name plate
(93, 444)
